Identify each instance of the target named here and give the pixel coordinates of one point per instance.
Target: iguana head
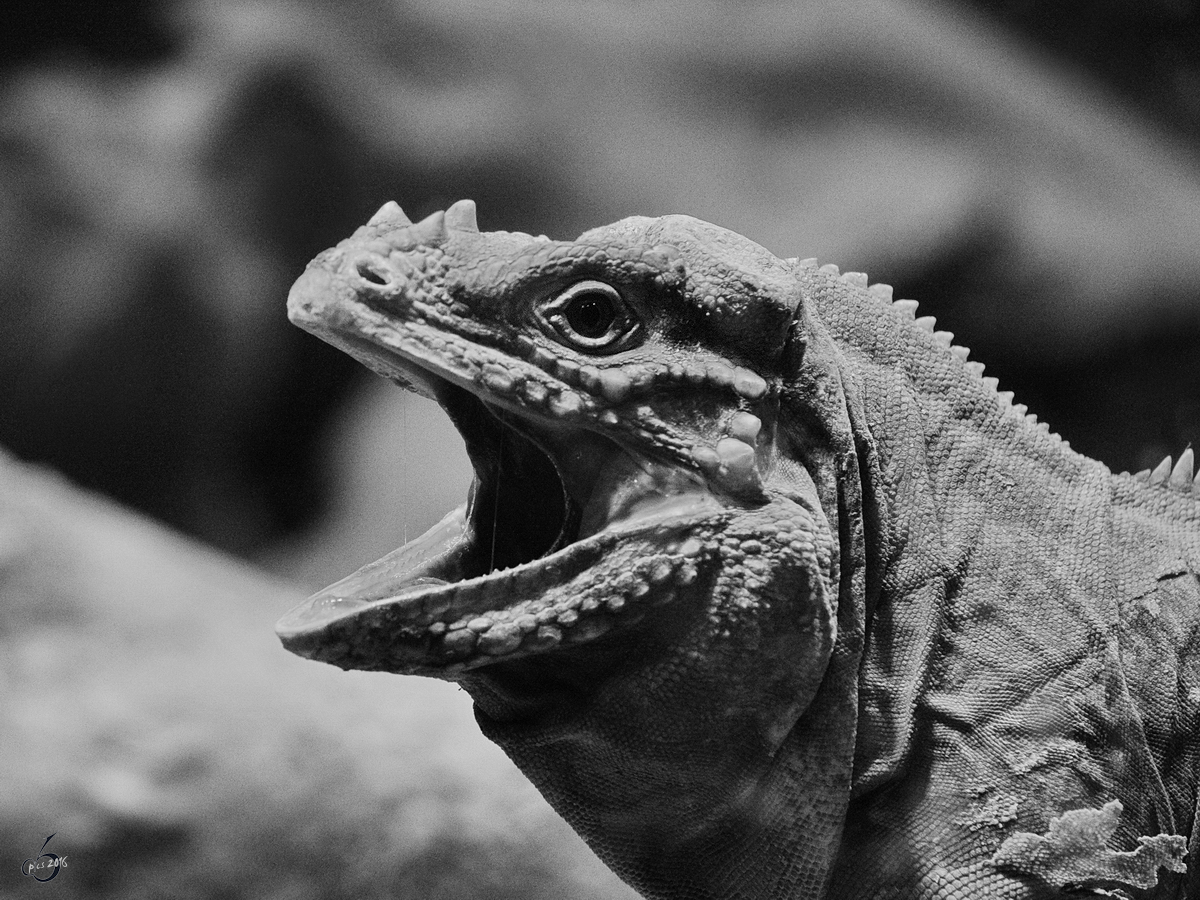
(639, 556)
(617, 395)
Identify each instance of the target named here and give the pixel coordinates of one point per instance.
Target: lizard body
(761, 583)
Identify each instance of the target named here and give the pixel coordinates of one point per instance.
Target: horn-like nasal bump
(431, 229)
(390, 213)
(461, 216)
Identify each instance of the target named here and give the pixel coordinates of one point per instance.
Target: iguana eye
(592, 316)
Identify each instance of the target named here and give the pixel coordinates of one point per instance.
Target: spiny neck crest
(1178, 477)
(1175, 475)
(906, 310)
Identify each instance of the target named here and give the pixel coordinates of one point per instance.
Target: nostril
(369, 271)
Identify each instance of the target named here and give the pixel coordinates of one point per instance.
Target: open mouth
(566, 536)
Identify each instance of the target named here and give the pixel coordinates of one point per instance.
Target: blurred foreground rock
(151, 721)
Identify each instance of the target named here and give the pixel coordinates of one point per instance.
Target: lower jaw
(593, 588)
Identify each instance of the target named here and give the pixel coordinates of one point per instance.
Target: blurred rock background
(151, 724)
(1029, 172)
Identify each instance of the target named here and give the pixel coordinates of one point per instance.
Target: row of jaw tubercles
(453, 627)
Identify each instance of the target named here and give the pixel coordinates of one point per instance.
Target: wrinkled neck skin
(997, 687)
(706, 753)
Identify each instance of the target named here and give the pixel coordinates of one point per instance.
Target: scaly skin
(767, 590)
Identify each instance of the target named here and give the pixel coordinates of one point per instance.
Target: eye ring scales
(591, 316)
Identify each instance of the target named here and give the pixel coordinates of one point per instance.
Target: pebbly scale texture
(762, 582)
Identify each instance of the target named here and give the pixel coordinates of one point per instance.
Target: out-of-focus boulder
(152, 723)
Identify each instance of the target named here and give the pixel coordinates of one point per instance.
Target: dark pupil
(591, 315)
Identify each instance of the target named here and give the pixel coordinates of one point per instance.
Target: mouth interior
(519, 509)
(538, 488)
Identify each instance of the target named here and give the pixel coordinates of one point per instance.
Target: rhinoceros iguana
(761, 583)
